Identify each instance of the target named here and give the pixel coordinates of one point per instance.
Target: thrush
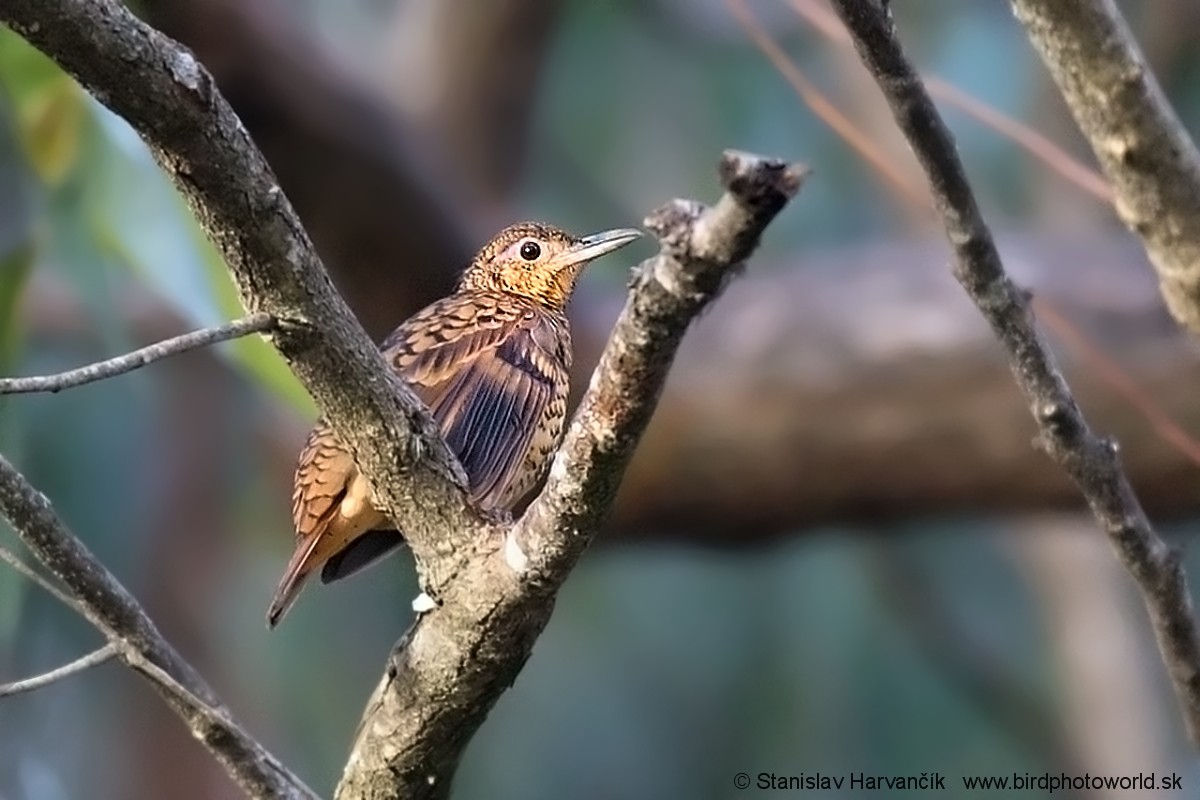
(491, 363)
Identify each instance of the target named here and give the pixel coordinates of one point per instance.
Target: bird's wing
(487, 368)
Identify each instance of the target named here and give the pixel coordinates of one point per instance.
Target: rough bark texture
(1090, 460)
(1146, 154)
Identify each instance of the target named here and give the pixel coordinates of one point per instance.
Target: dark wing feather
(476, 362)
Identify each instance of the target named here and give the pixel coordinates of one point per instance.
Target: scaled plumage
(491, 363)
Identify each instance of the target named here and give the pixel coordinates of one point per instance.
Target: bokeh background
(836, 551)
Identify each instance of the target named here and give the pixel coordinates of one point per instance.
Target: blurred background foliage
(900, 647)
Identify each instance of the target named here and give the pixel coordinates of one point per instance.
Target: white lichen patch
(186, 70)
(514, 556)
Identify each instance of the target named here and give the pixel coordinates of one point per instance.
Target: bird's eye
(530, 251)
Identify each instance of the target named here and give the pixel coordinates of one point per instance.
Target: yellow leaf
(51, 128)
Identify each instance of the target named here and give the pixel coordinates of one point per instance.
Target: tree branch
(92, 659)
(255, 323)
(1090, 460)
(371, 190)
(456, 660)
(1145, 152)
(105, 603)
(171, 100)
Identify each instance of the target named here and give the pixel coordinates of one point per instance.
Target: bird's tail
(297, 572)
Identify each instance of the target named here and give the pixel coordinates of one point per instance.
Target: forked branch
(495, 583)
(457, 659)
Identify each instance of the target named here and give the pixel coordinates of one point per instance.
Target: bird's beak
(589, 248)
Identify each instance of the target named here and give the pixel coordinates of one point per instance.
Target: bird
(490, 361)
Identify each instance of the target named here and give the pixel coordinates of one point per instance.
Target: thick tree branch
(1090, 460)
(171, 100)
(81, 664)
(105, 603)
(255, 323)
(457, 660)
(1145, 152)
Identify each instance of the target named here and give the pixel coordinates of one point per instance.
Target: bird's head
(539, 261)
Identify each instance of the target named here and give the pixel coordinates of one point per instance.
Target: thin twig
(108, 606)
(38, 578)
(92, 659)
(1089, 460)
(254, 323)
